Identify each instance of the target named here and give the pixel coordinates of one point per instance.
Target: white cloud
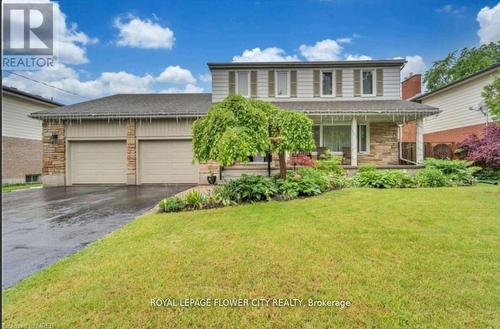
(325, 50)
(357, 57)
(415, 64)
(272, 54)
(451, 9)
(69, 43)
(206, 77)
(134, 32)
(190, 88)
(176, 74)
(489, 24)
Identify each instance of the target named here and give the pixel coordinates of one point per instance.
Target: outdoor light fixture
(53, 138)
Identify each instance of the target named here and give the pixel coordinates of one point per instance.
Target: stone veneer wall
(383, 145)
(131, 152)
(205, 168)
(54, 154)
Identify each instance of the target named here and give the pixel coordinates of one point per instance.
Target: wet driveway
(41, 226)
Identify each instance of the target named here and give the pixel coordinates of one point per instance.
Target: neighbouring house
(22, 136)
(462, 111)
(356, 108)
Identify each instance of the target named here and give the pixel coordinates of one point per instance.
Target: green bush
(194, 199)
(431, 177)
(172, 204)
(331, 165)
(488, 175)
(246, 189)
(368, 176)
(458, 172)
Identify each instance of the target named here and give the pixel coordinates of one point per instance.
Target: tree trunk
(282, 164)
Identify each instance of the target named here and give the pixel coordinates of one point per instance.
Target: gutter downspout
(400, 141)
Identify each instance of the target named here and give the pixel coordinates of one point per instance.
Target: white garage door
(166, 162)
(99, 162)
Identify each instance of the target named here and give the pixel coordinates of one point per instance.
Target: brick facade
(455, 135)
(20, 157)
(383, 145)
(54, 153)
(131, 152)
(411, 86)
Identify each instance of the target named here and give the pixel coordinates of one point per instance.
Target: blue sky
(188, 34)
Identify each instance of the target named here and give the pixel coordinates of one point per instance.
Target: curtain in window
(367, 82)
(282, 83)
(316, 132)
(337, 137)
(362, 138)
(243, 83)
(327, 83)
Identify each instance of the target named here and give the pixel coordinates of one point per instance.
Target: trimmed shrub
(331, 165)
(172, 204)
(458, 172)
(246, 189)
(431, 177)
(488, 175)
(368, 176)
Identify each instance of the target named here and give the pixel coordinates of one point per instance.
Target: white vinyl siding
(454, 104)
(15, 120)
(305, 84)
(95, 129)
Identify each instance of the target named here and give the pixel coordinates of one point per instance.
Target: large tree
(238, 128)
(491, 96)
(457, 65)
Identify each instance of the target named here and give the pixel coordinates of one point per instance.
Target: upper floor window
(282, 89)
(327, 83)
(367, 87)
(242, 83)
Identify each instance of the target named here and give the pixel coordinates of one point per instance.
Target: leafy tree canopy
(456, 65)
(238, 128)
(491, 96)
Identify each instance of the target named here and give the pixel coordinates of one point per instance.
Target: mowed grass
(405, 258)
(16, 187)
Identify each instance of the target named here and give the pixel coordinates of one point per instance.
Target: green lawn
(16, 187)
(406, 258)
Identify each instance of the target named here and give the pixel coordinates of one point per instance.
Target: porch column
(420, 140)
(354, 142)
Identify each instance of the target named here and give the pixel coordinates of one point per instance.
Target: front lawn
(405, 258)
(17, 187)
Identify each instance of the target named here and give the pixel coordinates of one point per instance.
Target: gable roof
(195, 105)
(478, 74)
(15, 91)
(308, 64)
(134, 106)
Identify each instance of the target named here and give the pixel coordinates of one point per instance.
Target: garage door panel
(167, 162)
(98, 162)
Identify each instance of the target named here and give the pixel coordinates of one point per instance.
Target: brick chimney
(411, 86)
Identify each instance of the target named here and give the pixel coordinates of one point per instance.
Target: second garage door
(98, 162)
(166, 162)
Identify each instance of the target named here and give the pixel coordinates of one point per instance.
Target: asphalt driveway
(41, 226)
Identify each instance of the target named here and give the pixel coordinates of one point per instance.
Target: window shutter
(338, 83)
(232, 82)
(357, 83)
(293, 83)
(270, 83)
(253, 84)
(380, 82)
(316, 83)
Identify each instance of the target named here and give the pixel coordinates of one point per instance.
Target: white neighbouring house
(356, 108)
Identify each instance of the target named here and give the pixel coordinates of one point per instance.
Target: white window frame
(321, 83)
(367, 124)
(237, 84)
(289, 82)
(374, 84)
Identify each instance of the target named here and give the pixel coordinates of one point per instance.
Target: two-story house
(133, 139)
